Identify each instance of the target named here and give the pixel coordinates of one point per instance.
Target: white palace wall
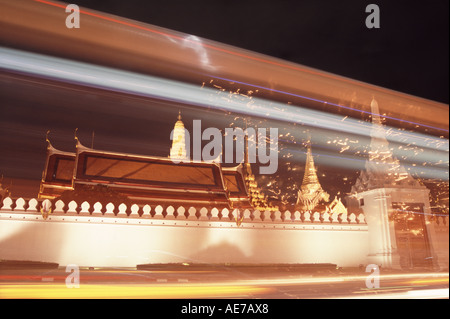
(89, 237)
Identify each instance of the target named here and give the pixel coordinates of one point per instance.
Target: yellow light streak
(101, 291)
(235, 288)
(430, 281)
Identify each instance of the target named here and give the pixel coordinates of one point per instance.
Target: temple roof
(144, 178)
(125, 166)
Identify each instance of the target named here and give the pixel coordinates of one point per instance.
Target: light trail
(358, 162)
(239, 53)
(326, 102)
(102, 291)
(442, 277)
(410, 294)
(190, 59)
(409, 285)
(144, 85)
(213, 47)
(436, 149)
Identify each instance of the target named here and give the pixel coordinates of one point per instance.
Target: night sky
(408, 53)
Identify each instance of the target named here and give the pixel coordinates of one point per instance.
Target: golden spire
(178, 149)
(257, 198)
(311, 192)
(310, 178)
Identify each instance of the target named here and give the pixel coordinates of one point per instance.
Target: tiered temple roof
(140, 179)
(110, 176)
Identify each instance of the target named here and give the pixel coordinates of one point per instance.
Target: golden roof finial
(310, 176)
(75, 134)
(179, 115)
(49, 145)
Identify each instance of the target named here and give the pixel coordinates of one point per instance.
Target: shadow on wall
(216, 253)
(33, 239)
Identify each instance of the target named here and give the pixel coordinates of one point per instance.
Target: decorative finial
(49, 145)
(76, 131)
(308, 136)
(179, 115)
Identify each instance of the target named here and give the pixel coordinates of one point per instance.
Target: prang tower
(396, 206)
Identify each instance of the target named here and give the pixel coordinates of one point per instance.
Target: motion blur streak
(38, 26)
(197, 42)
(361, 278)
(49, 291)
(411, 294)
(329, 103)
(355, 162)
(429, 293)
(401, 286)
(435, 150)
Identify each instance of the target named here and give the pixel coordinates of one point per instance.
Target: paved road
(218, 282)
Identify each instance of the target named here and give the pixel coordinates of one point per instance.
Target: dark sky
(408, 53)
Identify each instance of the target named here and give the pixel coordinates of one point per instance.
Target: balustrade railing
(178, 212)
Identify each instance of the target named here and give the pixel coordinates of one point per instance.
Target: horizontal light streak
(104, 291)
(148, 86)
(358, 162)
(409, 294)
(232, 288)
(324, 102)
(342, 278)
(227, 50)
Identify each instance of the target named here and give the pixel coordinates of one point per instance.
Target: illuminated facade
(116, 201)
(102, 208)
